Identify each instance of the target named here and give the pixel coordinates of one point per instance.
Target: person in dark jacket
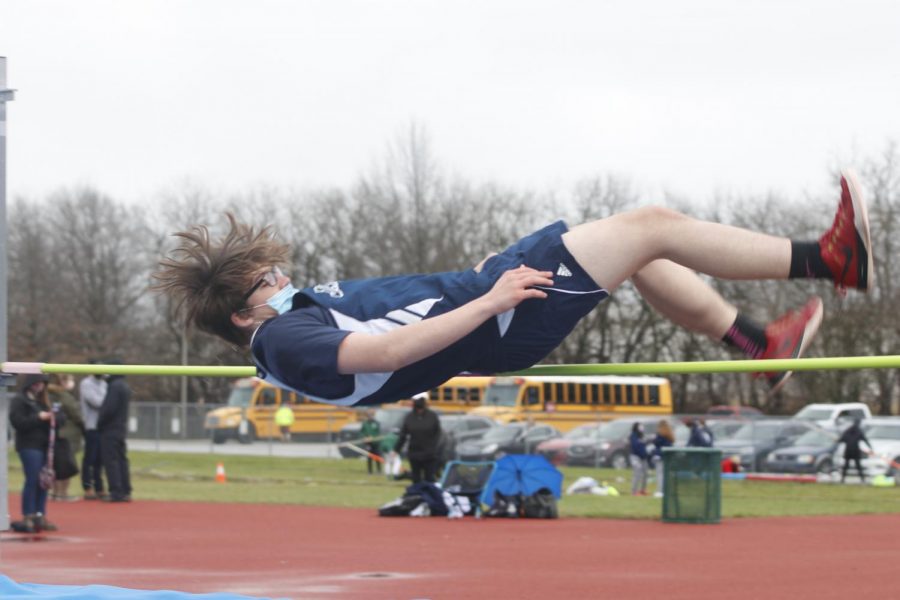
(112, 423)
(701, 436)
(423, 430)
(638, 459)
(30, 415)
(852, 438)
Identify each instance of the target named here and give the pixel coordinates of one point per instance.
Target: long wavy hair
(665, 430)
(208, 278)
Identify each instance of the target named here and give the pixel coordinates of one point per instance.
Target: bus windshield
(240, 397)
(501, 394)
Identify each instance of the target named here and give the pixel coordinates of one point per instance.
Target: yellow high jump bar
(639, 368)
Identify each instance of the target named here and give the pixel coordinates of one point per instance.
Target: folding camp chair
(468, 479)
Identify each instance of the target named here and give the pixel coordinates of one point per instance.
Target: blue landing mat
(10, 590)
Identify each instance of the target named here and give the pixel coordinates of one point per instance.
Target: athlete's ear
(243, 318)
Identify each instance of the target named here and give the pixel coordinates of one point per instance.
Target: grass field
(331, 482)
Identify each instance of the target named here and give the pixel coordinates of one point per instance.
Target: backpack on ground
(540, 505)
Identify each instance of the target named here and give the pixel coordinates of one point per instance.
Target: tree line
(80, 264)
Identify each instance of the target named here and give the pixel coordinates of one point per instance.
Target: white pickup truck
(834, 417)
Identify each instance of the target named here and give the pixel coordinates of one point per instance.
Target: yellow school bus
(566, 402)
(458, 394)
(250, 414)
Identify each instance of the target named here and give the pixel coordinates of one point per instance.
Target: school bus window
(433, 394)
(654, 396)
(448, 394)
(462, 395)
(268, 397)
(629, 394)
(532, 396)
(572, 393)
(475, 395)
(548, 392)
(595, 394)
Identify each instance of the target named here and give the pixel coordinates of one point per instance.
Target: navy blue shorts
(537, 326)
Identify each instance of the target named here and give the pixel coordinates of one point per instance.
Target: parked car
(727, 410)
(836, 417)
(724, 429)
(756, 439)
(610, 448)
(812, 452)
(389, 419)
(884, 435)
(460, 428)
(512, 438)
(555, 450)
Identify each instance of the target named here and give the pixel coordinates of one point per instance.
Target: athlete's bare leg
(681, 296)
(612, 250)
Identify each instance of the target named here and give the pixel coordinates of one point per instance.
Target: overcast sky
(689, 96)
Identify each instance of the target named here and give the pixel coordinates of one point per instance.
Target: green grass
(331, 482)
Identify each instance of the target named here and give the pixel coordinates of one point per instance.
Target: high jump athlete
(371, 341)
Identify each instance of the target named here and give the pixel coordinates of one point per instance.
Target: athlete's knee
(652, 215)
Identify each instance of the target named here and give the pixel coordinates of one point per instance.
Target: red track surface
(303, 552)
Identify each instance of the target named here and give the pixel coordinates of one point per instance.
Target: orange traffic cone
(220, 473)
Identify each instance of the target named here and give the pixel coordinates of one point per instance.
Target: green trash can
(692, 485)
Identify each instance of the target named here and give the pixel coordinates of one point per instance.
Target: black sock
(806, 262)
(746, 335)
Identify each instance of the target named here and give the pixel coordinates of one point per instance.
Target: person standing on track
(31, 417)
(112, 422)
(91, 392)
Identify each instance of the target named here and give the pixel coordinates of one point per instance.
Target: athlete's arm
(480, 265)
(378, 353)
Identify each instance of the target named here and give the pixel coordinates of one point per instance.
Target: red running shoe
(789, 336)
(847, 246)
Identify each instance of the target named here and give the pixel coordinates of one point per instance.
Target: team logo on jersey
(563, 271)
(332, 288)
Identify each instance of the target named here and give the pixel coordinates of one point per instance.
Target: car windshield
(502, 434)
(883, 432)
(811, 413)
(240, 397)
(615, 430)
(814, 437)
(724, 430)
(501, 394)
(756, 432)
(391, 419)
(582, 432)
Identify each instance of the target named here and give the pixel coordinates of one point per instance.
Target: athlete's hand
(517, 285)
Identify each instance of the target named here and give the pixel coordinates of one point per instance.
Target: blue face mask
(283, 300)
